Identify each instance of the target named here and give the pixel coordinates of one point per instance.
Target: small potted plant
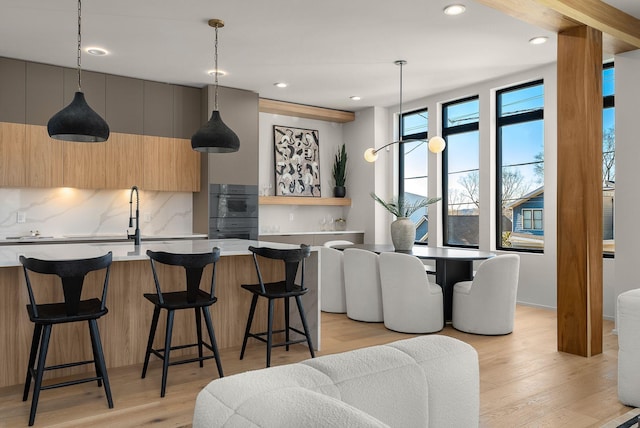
(340, 172)
(403, 231)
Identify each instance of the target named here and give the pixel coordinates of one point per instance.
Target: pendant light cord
(401, 63)
(79, 44)
(216, 71)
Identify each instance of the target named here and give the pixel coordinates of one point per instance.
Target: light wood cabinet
(44, 158)
(124, 160)
(170, 164)
(28, 157)
(84, 165)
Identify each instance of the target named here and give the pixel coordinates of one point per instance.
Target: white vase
(403, 234)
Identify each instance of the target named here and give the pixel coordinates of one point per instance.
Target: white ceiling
(325, 50)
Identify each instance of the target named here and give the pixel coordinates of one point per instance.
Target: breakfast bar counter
(124, 330)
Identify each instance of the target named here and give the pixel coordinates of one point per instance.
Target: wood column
(579, 246)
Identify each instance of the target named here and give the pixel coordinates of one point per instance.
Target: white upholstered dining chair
(487, 304)
(410, 302)
(362, 285)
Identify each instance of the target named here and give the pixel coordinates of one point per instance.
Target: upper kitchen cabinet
(157, 109)
(124, 104)
(85, 165)
(28, 157)
(12, 87)
(187, 111)
(124, 160)
(170, 164)
(44, 93)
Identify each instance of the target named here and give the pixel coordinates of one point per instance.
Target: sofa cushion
(382, 381)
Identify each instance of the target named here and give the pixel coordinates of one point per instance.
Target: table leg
(448, 272)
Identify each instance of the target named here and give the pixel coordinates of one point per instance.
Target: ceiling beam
(621, 31)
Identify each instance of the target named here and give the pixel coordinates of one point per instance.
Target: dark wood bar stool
(190, 298)
(284, 289)
(72, 309)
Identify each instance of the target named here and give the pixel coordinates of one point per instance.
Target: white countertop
(127, 251)
(322, 232)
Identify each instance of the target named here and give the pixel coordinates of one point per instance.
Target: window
(520, 167)
(460, 172)
(413, 166)
(532, 219)
(608, 158)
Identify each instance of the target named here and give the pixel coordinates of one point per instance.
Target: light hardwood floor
(524, 381)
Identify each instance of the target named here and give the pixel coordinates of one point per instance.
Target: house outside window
(460, 172)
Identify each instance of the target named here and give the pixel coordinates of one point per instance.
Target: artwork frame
(296, 161)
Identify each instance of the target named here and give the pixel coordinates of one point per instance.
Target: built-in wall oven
(233, 211)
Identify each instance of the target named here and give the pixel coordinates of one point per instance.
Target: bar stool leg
(99, 356)
(152, 335)
(37, 333)
(305, 326)
(44, 347)
(95, 360)
(199, 334)
(269, 332)
(212, 338)
(167, 351)
(286, 323)
(252, 311)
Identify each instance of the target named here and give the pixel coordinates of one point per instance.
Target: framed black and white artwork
(297, 161)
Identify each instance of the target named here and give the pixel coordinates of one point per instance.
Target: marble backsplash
(61, 212)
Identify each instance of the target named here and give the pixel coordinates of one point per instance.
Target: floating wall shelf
(301, 200)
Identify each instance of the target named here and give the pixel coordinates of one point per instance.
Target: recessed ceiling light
(355, 98)
(96, 51)
(218, 72)
(538, 40)
(280, 85)
(454, 9)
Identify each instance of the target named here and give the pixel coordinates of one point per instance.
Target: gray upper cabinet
(43, 92)
(12, 90)
(158, 109)
(124, 104)
(187, 114)
(93, 87)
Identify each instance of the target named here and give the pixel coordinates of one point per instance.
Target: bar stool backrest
(193, 264)
(292, 258)
(71, 274)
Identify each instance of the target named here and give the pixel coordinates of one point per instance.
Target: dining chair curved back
(191, 296)
(332, 293)
(337, 242)
(72, 309)
(281, 289)
(362, 285)
(487, 304)
(410, 302)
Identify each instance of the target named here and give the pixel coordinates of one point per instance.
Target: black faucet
(136, 234)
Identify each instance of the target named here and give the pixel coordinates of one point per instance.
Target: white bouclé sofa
(427, 381)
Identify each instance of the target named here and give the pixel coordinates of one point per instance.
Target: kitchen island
(125, 329)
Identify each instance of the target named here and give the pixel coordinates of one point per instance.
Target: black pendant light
(77, 121)
(215, 136)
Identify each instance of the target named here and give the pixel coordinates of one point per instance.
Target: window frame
(499, 123)
(446, 132)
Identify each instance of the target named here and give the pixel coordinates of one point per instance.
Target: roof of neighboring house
(525, 198)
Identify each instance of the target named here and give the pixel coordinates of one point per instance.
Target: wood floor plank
(524, 381)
